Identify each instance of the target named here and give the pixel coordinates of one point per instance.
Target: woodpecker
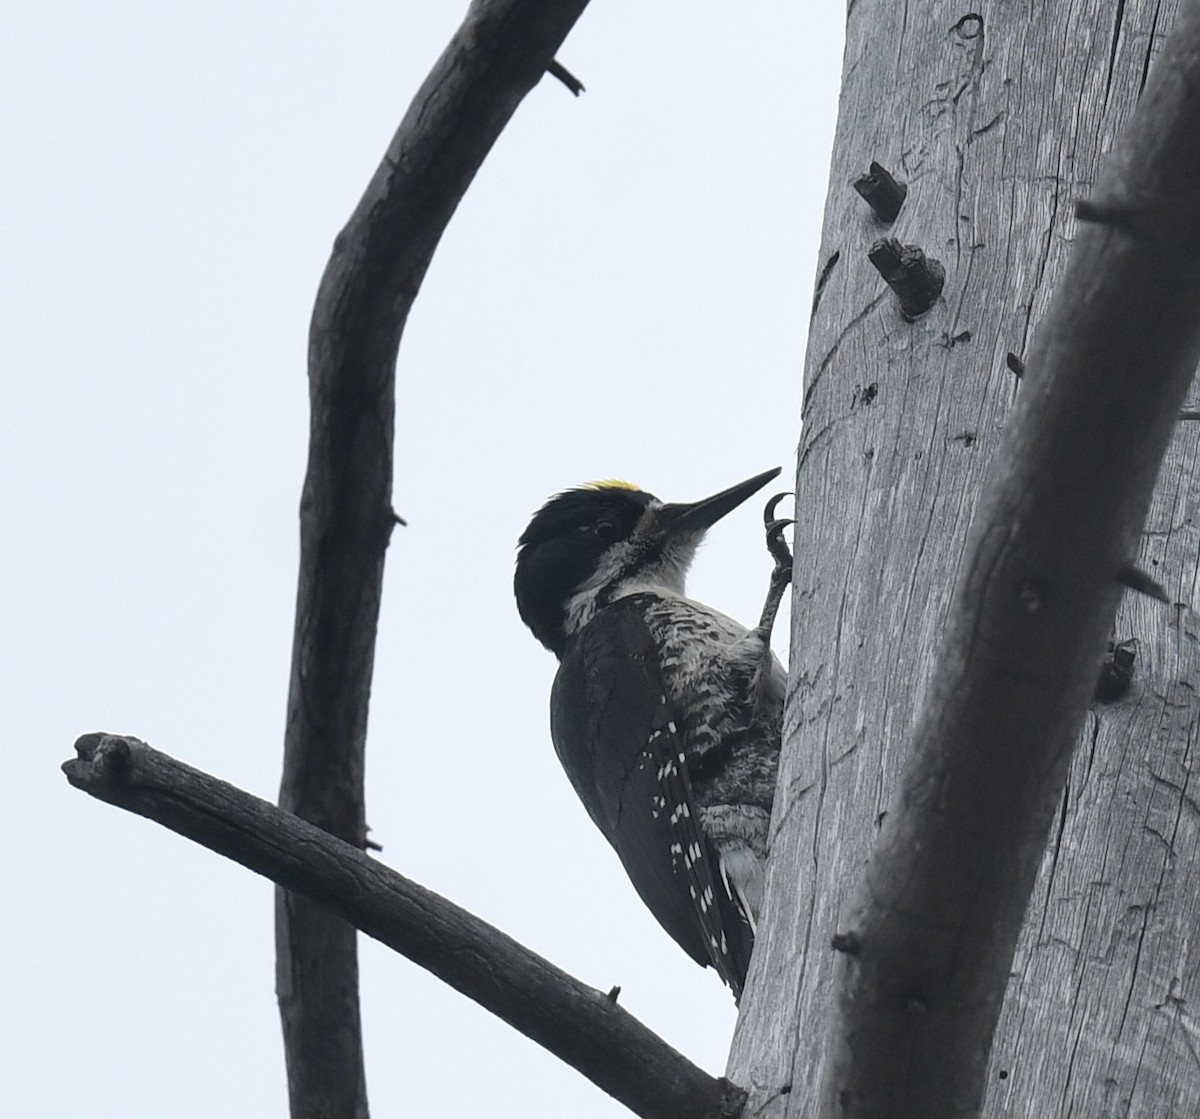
(666, 714)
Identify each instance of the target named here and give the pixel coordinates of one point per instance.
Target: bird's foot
(781, 576)
(776, 544)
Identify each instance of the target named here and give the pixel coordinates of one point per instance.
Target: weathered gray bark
(997, 120)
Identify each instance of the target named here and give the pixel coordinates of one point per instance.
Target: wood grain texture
(996, 118)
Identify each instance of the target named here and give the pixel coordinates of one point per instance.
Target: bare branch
(583, 1026)
(376, 269)
(928, 941)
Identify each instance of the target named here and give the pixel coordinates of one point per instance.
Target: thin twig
(557, 70)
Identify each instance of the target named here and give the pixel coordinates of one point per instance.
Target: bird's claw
(776, 544)
(781, 576)
(769, 512)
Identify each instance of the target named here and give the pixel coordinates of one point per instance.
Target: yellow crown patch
(611, 484)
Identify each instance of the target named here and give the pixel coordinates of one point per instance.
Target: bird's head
(588, 546)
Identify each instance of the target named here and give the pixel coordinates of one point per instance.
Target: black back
(618, 739)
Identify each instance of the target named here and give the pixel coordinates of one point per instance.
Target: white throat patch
(625, 569)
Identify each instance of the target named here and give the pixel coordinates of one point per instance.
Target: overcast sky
(624, 292)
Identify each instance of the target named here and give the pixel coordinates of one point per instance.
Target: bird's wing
(618, 738)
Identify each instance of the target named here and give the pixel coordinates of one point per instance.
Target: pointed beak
(678, 519)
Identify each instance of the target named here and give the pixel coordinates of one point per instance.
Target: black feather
(619, 741)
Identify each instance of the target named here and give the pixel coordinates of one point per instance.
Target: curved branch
(583, 1026)
(374, 273)
(928, 941)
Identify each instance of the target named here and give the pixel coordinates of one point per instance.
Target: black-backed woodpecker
(666, 715)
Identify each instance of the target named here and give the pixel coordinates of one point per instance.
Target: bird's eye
(606, 531)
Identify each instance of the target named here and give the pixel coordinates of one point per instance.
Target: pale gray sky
(624, 292)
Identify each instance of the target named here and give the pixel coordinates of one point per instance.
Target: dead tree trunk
(996, 120)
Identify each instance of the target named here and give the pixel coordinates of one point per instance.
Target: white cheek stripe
(666, 577)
